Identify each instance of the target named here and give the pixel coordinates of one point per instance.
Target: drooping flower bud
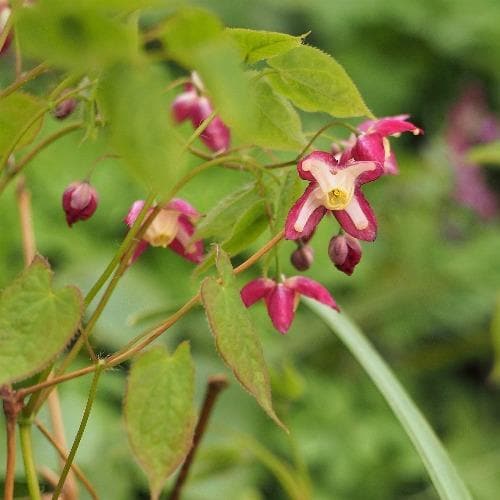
(65, 108)
(79, 202)
(5, 12)
(345, 252)
(302, 258)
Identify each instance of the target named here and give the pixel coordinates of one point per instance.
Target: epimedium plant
(162, 85)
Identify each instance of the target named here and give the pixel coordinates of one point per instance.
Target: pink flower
(79, 202)
(373, 143)
(335, 186)
(471, 123)
(172, 227)
(5, 12)
(282, 298)
(345, 252)
(197, 108)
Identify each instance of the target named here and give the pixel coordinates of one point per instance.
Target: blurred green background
(425, 291)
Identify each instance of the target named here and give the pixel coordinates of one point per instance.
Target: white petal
(357, 215)
(313, 201)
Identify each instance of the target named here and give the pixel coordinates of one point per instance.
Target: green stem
(30, 75)
(203, 125)
(10, 174)
(129, 238)
(176, 83)
(197, 170)
(81, 430)
(29, 462)
(334, 123)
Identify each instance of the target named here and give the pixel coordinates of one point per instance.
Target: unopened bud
(65, 108)
(5, 12)
(302, 258)
(345, 252)
(79, 202)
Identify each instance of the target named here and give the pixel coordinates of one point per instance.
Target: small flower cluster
(192, 104)
(335, 180)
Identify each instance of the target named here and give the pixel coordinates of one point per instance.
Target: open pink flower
(282, 298)
(172, 227)
(335, 186)
(373, 143)
(191, 105)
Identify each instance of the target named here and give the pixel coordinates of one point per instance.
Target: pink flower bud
(302, 258)
(79, 202)
(65, 108)
(5, 12)
(345, 252)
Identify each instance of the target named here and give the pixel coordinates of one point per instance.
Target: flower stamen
(337, 199)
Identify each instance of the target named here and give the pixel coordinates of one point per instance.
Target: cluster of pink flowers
(193, 105)
(334, 187)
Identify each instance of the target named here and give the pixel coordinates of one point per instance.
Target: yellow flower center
(337, 199)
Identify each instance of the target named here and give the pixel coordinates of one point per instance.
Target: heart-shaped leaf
(36, 322)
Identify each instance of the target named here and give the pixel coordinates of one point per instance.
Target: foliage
(425, 292)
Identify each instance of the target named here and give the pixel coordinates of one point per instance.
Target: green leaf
(248, 227)
(257, 45)
(277, 124)
(439, 466)
(141, 129)
(230, 89)
(36, 322)
(219, 221)
(314, 81)
(235, 336)
(17, 111)
(73, 35)
(290, 188)
(159, 411)
(128, 6)
(486, 153)
(188, 31)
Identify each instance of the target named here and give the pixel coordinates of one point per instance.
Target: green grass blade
(443, 474)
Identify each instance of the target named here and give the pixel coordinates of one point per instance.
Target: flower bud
(302, 258)
(5, 12)
(345, 252)
(65, 108)
(79, 202)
